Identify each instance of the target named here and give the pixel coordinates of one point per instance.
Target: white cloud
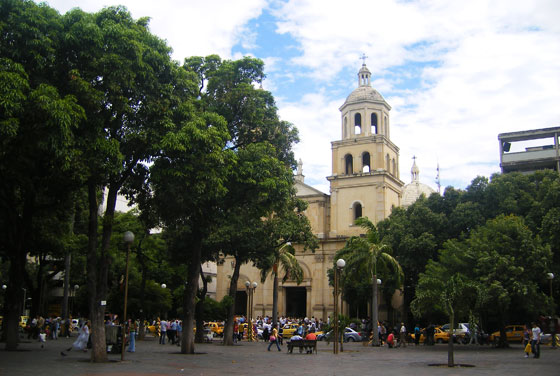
(455, 73)
(191, 27)
(318, 121)
(494, 68)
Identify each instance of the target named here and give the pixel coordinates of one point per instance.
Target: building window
(349, 164)
(358, 123)
(357, 210)
(366, 163)
(373, 123)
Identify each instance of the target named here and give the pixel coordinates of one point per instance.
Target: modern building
(528, 151)
(364, 182)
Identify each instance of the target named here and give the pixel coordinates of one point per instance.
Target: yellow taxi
(216, 327)
(23, 321)
(514, 333)
(440, 336)
(288, 330)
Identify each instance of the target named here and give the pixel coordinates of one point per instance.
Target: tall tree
(125, 80)
(451, 292)
(368, 254)
(260, 182)
(187, 180)
(37, 171)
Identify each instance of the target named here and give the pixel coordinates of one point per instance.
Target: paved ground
(250, 359)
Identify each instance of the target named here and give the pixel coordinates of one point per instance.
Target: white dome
(412, 191)
(364, 94)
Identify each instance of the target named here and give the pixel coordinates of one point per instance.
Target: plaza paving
(250, 359)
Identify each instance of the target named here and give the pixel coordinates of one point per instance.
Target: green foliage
(216, 311)
(366, 257)
(494, 270)
(437, 222)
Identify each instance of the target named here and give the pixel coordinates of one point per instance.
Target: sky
(456, 73)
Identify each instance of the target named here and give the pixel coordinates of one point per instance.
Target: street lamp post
(24, 297)
(375, 316)
(4, 287)
(250, 293)
(128, 239)
(340, 263)
(550, 277)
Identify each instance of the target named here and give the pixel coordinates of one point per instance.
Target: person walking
(417, 334)
(43, 338)
(132, 336)
(163, 331)
(536, 341)
(172, 331)
(81, 342)
(402, 335)
(235, 331)
(527, 340)
(274, 339)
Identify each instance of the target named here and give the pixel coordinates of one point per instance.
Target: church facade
(364, 183)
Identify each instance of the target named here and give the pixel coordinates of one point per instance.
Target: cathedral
(364, 182)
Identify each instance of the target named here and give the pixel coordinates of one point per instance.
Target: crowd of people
(41, 328)
(263, 328)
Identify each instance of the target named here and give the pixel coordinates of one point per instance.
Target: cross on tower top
(363, 58)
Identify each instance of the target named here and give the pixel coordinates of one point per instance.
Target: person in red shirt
(391, 340)
(312, 337)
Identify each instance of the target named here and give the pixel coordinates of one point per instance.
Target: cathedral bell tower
(365, 163)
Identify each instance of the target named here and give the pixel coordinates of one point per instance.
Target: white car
(461, 328)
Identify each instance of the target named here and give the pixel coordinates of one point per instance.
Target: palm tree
(284, 257)
(369, 254)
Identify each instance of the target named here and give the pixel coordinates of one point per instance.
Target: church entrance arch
(241, 302)
(296, 301)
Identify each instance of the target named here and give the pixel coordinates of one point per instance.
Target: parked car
(461, 328)
(350, 335)
(439, 336)
(546, 339)
(23, 321)
(216, 327)
(514, 333)
(288, 330)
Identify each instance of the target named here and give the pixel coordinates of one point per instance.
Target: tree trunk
(228, 329)
(189, 297)
(199, 311)
(14, 303)
(96, 311)
(275, 297)
(450, 358)
(374, 316)
(502, 343)
(67, 262)
(14, 299)
(142, 330)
